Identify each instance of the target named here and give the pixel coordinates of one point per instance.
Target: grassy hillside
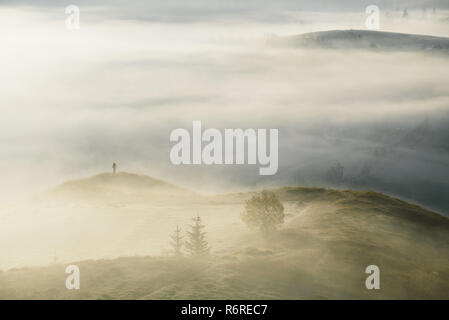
(328, 239)
(122, 187)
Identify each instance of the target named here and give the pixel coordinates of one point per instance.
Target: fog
(73, 102)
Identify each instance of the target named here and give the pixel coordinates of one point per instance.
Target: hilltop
(322, 250)
(364, 39)
(107, 188)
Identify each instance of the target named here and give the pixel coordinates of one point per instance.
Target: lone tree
(263, 211)
(196, 245)
(176, 242)
(335, 174)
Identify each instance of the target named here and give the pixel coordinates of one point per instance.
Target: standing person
(114, 167)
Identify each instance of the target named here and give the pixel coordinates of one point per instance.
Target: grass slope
(109, 188)
(321, 252)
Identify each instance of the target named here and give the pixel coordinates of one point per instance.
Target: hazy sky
(73, 102)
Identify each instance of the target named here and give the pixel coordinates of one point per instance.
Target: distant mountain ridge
(364, 39)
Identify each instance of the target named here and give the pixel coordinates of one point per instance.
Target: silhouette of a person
(114, 167)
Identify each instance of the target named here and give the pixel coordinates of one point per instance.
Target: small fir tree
(196, 245)
(176, 242)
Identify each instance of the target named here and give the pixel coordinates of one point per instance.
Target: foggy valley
(363, 172)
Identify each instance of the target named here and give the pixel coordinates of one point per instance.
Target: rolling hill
(321, 252)
(107, 188)
(364, 39)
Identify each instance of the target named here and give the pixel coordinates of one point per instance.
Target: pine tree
(177, 242)
(197, 245)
